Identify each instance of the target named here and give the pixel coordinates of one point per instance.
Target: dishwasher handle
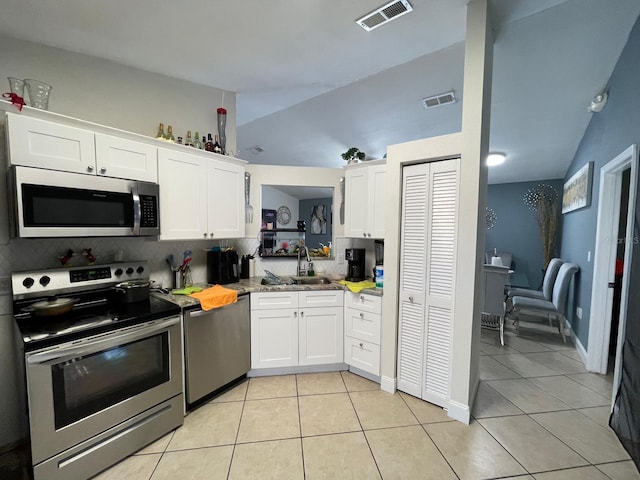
(201, 313)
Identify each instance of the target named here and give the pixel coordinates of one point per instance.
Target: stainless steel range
(104, 378)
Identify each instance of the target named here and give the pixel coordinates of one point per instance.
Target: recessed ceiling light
(494, 159)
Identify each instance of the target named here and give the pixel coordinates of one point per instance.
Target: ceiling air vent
(440, 99)
(384, 14)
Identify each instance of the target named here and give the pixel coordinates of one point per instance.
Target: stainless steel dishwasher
(217, 347)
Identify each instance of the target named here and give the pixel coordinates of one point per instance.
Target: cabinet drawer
(364, 302)
(363, 355)
(362, 325)
(321, 298)
(271, 300)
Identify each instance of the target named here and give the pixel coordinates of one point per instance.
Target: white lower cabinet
(274, 338)
(362, 331)
(289, 329)
(320, 336)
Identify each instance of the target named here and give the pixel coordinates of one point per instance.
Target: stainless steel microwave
(48, 203)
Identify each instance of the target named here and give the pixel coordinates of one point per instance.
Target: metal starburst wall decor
(490, 218)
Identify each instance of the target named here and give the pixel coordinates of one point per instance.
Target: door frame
(604, 261)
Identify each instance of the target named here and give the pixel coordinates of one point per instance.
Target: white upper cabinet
(225, 199)
(183, 195)
(124, 158)
(43, 144)
(200, 198)
(364, 202)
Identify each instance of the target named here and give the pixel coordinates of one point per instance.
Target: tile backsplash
(30, 254)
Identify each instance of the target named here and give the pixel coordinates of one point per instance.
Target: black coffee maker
(222, 267)
(355, 268)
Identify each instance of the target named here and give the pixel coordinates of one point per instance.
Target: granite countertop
(249, 285)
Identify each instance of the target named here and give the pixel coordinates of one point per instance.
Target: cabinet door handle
(364, 234)
(205, 234)
(361, 345)
(90, 168)
(369, 235)
(211, 235)
(411, 299)
(295, 314)
(302, 314)
(361, 315)
(103, 170)
(362, 298)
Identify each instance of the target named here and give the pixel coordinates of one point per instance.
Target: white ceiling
(310, 83)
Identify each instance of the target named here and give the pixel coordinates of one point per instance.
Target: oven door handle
(64, 353)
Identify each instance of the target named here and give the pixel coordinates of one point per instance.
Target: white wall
(472, 144)
(272, 199)
(117, 96)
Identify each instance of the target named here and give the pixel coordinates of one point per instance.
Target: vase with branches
(543, 200)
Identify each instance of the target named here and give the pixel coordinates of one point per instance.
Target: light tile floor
(539, 415)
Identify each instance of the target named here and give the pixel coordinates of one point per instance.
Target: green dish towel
(186, 290)
(358, 286)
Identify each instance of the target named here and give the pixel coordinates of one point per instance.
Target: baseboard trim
(459, 412)
(580, 348)
(388, 384)
(265, 372)
(364, 374)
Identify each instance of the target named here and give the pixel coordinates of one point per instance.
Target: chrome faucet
(302, 271)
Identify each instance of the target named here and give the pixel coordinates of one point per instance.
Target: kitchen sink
(309, 281)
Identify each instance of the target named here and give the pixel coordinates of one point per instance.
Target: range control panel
(59, 280)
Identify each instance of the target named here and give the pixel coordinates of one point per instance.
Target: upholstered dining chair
(554, 309)
(547, 285)
(493, 309)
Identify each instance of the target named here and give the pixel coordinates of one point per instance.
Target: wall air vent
(384, 14)
(440, 99)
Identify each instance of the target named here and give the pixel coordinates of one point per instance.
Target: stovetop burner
(96, 309)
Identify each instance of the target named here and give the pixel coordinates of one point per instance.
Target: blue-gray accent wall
(609, 133)
(306, 206)
(516, 229)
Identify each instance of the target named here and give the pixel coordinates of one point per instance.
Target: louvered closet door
(413, 262)
(440, 280)
(427, 279)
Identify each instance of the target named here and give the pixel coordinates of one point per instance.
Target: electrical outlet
(340, 258)
(5, 285)
(579, 312)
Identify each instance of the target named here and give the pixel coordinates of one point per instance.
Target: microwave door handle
(64, 354)
(137, 210)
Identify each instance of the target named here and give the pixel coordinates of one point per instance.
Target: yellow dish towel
(216, 296)
(357, 286)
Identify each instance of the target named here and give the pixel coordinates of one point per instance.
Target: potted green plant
(353, 155)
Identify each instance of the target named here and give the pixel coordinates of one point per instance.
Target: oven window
(46, 206)
(86, 385)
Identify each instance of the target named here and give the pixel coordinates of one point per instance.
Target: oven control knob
(129, 271)
(140, 269)
(118, 272)
(44, 281)
(28, 282)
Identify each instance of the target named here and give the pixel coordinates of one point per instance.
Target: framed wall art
(576, 193)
